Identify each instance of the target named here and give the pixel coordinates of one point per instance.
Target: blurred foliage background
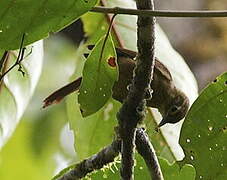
(202, 42)
(38, 147)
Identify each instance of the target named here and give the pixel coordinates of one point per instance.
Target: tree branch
(146, 150)
(132, 110)
(107, 155)
(95, 162)
(160, 13)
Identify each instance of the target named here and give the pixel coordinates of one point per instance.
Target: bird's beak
(163, 121)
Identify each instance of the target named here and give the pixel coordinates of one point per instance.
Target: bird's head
(176, 109)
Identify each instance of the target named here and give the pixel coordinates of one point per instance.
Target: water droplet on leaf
(210, 128)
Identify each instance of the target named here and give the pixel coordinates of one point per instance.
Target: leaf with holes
(204, 134)
(37, 19)
(99, 74)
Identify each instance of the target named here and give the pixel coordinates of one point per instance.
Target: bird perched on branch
(172, 103)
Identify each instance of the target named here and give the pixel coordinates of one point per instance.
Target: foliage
(39, 19)
(35, 138)
(99, 75)
(16, 90)
(203, 135)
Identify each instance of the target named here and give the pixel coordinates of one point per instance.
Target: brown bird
(172, 103)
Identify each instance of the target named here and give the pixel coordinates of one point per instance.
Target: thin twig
(3, 65)
(3, 59)
(18, 61)
(160, 13)
(146, 150)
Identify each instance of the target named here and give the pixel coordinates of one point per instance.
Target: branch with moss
(160, 13)
(95, 162)
(109, 153)
(133, 108)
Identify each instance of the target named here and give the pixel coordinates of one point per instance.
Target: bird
(171, 102)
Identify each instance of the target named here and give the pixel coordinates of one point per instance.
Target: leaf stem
(106, 37)
(115, 32)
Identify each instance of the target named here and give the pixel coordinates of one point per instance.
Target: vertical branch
(132, 110)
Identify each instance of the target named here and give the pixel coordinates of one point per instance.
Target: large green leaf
(37, 19)
(93, 132)
(99, 75)
(204, 134)
(16, 90)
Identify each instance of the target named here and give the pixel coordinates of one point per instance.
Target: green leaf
(37, 19)
(93, 132)
(99, 74)
(16, 90)
(95, 26)
(204, 134)
(174, 172)
(34, 145)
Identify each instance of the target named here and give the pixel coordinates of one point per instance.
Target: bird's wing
(126, 53)
(161, 68)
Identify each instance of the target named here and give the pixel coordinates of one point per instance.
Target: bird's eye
(174, 109)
